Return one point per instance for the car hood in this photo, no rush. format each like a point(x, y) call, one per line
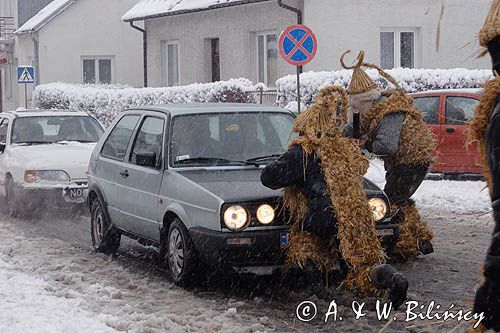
point(245, 185)
point(232, 185)
point(72, 157)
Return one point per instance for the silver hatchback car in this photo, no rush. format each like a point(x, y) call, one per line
point(186, 178)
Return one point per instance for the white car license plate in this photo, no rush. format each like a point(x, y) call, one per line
point(75, 195)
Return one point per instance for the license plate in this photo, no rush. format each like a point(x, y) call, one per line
point(385, 232)
point(75, 195)
point(284, 237)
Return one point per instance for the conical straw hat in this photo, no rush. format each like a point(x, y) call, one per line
point(360, 81)
point(491, 28)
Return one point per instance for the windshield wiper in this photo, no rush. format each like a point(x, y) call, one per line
point(213, 159)
point(28, 143)
point(267, 157)
point(65, 142)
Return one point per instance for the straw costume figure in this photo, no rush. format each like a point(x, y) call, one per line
point(485, 128)
point(393, 129)
point(322, 173)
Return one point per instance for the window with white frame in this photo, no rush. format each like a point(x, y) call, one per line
point(98, 70)
point(399, 47)
point(171, 63)
point(267, 58)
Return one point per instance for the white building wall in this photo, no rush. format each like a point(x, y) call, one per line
point(90, 28)
point(86, 28)
point(8, 8)
point(234, 26)
point(355, 24)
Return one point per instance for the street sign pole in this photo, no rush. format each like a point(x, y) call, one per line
point(25, 75)
point(298, 46)
point(299, 70)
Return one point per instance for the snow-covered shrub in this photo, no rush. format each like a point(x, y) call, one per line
point(105, 102)
point(412, 80)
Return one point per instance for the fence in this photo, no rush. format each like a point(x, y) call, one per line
point(266, 97)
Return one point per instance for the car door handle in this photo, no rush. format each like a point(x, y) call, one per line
point(124, 173)
point(450, 130)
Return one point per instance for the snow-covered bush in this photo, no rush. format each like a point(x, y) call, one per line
point(105, 102)
point(412, 80)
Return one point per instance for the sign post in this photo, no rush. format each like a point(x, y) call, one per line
point(298, 46)
point(25, 75)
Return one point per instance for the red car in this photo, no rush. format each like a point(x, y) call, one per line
point(447, 113)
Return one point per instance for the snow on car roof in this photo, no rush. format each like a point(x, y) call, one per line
point(157, 8)
point(46, 113)
point(450, 91)
point(46, 14)
point(193, 108)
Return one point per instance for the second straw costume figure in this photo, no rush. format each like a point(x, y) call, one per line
point(322, 138)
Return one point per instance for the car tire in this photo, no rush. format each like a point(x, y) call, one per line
point(13, 205)
point(105, 238)
point(179, 254)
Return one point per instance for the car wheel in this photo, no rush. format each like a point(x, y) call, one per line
point(13, 205)
point(180, 254)
point(105, 238)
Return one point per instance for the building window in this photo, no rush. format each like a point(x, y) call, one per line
point(97, 70)
point(398, 47)
point(215, 59)
point(171, 63)
point(267, 58)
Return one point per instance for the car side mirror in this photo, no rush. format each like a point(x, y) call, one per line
point(146, 158)
point(2, 147)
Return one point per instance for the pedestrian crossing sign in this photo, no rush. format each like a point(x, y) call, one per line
point(25, 74)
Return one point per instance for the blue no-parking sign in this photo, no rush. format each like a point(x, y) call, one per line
point(25, 74)
point(298, 45)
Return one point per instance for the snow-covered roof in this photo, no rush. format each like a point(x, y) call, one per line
point(44, 16)
point(145, 9)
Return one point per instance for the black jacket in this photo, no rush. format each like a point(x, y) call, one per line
point(291, 169)
point(492, 263)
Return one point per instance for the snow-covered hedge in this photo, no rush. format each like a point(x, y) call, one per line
point(106, 101)
point(412, 80)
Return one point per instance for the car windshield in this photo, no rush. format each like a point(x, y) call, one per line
point(229, 138)
point(55, 129)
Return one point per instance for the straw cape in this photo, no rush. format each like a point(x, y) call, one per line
point(416, 145)
point(343, 166)
point(491, 27)
point(479, 123)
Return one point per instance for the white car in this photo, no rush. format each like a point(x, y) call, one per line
point(44, 157)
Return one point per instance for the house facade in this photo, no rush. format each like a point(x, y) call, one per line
point(78, 41)
point(238, 38)
point(398, 33)
point(219, 43)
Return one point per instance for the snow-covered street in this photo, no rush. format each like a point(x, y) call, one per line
point(52, 281)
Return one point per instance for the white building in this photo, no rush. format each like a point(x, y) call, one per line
point(200, 41)
point(203, 41)
point(79, 41)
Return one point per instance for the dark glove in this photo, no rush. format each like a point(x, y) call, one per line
point(488, 302)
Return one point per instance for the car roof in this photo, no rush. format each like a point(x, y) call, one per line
point(44, 113)
point(195, 108)
point(476, 91)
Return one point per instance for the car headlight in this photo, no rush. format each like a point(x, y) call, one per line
point(236, 217)
point(265, 214)
point(378, 208)
point(46, 176)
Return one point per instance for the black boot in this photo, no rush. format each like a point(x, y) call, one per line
point(425, 247)
point(314, 281)
point(387, 277)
